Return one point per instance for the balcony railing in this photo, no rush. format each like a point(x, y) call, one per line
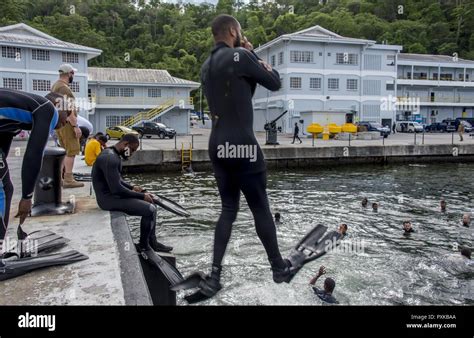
point(433, 79)
point(142, 101)
point(441, 99)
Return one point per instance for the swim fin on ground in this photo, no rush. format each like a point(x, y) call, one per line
point(169, 271)
point(37, 242)
point(14, 267)
point(208, 285)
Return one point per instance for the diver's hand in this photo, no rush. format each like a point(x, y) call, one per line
point(322, 271)
point(24, 210)
point(246, 43)
point(148, 197)
point(266, 65)
point(136, 188)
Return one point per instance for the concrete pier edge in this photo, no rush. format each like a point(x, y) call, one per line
point(133, 280)
point(281, 157)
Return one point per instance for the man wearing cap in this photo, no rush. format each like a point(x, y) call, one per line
point(70, 134)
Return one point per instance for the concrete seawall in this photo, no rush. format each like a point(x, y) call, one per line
point(290, 157)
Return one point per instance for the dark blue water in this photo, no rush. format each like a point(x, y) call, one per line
point(383, 267)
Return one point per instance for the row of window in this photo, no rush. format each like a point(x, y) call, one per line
point(130, 92)
point(38, 85)
point(444, 76)
point(298, 56)
point(37, 54)
point(315, 83)
point(115, 120)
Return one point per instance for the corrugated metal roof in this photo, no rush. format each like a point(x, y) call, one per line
point(24, 34)
point(134, 75)
point(431, 58)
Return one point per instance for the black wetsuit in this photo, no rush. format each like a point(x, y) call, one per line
point(229, 77)
point(114, 194)
point(324, 296)
point(22, 111)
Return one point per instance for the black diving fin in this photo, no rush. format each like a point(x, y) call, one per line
point(15, 266)
point(314, 245)
point(208, 285)
point(169, 271)
point(37, 242)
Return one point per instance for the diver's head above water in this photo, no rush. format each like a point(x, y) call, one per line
point(442, 205)
point(375, 206)
point(342, 229)
point(407, 226)
point(225, 28)
point(329, 285)
point(466, 253)
point(466, 219)
point(365, 201)
point(127, 145)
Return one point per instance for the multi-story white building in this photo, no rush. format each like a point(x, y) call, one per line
point(441, 87)
point(30, 60)
point(323, 71)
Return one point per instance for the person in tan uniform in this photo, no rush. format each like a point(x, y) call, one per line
point(461, 131)
point(70, 134)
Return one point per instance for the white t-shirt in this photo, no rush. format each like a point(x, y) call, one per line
point(83, 122)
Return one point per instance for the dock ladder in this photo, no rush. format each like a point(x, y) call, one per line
point(186, 158)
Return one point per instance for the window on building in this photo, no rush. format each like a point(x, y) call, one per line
point(352, 84)
point(389, 86)
point(333, 84)
point(435, 76)
point(347, 59)
point(315, 83)
point(273, 60)
point(13, 83)
point(446, 77)
point(461, 77)
point(280, 58)
point(420, 76)
point(282, 86)
point(115, 120)
point(70, 57)
point(295, 82)
point(112, 92)
point(154, 92)
point(119, 92)
point(298, 56)
point(320, 54)
point(390, 60)
point(11, 52)
point(40, 54)
point(75, 87)
point(127, 92)
point(42, 85)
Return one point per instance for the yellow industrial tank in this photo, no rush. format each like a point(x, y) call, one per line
point(349, 128)
point(334, 128)
point(315, 128)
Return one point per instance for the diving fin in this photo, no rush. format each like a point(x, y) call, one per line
point(190, 282)
point(10, 268)
point(314, 245)
point(38, 241)
point(169, 271)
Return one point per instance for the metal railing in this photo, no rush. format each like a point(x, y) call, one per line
point(444, 99)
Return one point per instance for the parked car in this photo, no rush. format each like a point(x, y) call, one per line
point(437, 127)
point(408, 127)
point(148, 129)
point(118, 131)
point(373, 126)
point(452, 125)
point(467, 125)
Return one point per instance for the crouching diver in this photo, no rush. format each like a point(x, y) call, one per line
point(114, 194)
point(24, 111)
point(229, 77)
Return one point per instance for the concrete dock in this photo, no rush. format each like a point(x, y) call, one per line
point(165, 155)
point(112, 274)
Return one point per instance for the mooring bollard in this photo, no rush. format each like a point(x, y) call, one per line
point(48, 190)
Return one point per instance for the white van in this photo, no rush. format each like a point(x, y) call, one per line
point(408, 127)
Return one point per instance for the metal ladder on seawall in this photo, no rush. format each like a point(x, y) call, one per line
point(186, 157)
